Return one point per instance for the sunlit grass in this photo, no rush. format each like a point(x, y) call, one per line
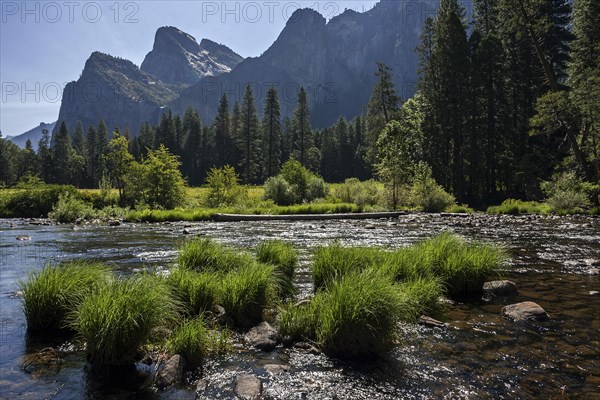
point(49, 294)
point(209, 255)
point(197, 291)
point(514, 207)
point(118, 318)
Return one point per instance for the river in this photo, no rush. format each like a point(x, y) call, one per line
point(480, 355)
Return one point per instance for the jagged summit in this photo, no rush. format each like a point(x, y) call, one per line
point(177, 58)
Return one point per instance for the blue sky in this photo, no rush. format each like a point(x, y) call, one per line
point(44, 44)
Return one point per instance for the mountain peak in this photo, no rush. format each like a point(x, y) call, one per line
point(177, 58)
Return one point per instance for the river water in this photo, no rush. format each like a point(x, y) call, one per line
point(480, 355)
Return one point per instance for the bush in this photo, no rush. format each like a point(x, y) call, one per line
point(295, 184)
point(33, 201)
point(426, 194)
point(367, 193)
point(566, 194)
point(284, 258)
point(69, 208)
point(224, 189)
point(208, 255)
point(246, 292)
point(50, 294)
point(118, 318)
point(279, 191)
point(197, 291)
point(357, 315)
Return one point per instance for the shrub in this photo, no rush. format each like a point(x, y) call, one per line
point(208, 255)
point(426, 194)
point(279, 191)
point(224, 189)
point(462, 209)
point(246, 292)
point(118, 318)
point(357, 315)
point(367, 193)
point(50, 294)
point(566, 194)
point(197, 291)
point(69, 208)
point(33, 201)
point(294, 184)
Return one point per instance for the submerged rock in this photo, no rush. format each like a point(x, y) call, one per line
point(23, 237)
point(430, 322)
point(275, 369)
point(593, 271)
point(263, 337)
point(172, 372)
point(114, 222)
point(370, 226)
point(248, 387)
point(499, 288)
point(525, 311)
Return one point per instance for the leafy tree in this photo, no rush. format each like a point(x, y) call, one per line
point(399, 148)
point(118, 160)
point(271, 126)
point(164, 187)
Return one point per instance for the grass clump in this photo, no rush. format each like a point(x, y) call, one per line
point(194, 341)
point(421, 296)
point(356, 316)
point(460, 209)
point(462, 266)
point(197, 291)
point(284, 258)
point(50, 294)
point(69, 208)
point(208, 255)
point(246, 292)
point(118, 318)
point(335, 261)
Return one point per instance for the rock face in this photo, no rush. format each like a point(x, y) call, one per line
point(525, 311)
point(177, 58)
point(335, 61)
point(500, 288)
point(263, 337)
point(115, 90)
point(248, 387)
point(171, 372)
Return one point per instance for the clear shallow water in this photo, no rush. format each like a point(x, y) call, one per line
point(480, 355)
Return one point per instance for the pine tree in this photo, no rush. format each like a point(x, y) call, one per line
point(302, 138)
point(192, 156)
point(62, 156)
point(384, 103)
point(249, 139)
point(271, 126)
point(44, 156)
point(223, 139)
point(234, 128)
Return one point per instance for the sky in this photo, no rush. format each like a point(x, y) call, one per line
point(44, 44)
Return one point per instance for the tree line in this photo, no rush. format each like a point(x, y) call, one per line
point(504, 101)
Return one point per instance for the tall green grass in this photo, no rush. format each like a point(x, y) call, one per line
point(197, 291)
point(421, 296)
point(118, 318)
point(208, 255)
point(514, 207)
point(246, 292)
point(195, 341)
point(50, 294)
point(355, 316)
point(284, 258)
point(461, 266)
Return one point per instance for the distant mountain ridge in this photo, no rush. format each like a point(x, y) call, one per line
point(334, 61)
point(124, 95)
point(34, 134)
